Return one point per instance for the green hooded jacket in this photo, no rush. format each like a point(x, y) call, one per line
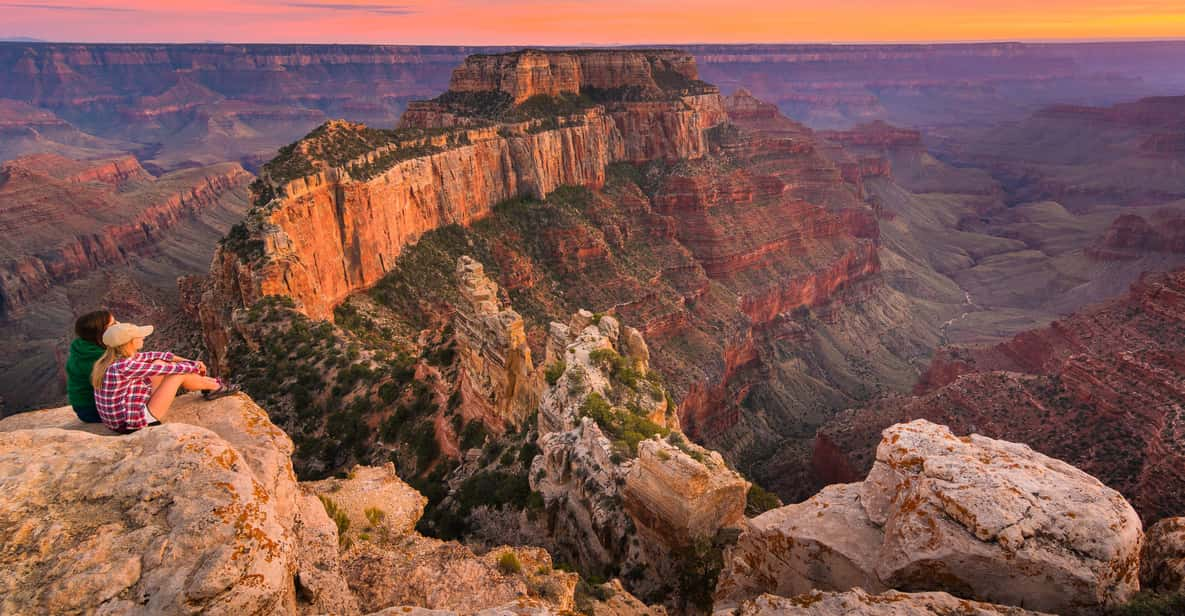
point(83, 355)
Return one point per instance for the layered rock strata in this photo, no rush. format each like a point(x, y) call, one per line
point(1108, 375)
point(717, 258)
point(329, 234)
point(979, 518)
point(103, 213)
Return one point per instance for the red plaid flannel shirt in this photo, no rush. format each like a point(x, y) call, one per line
point(123, 396)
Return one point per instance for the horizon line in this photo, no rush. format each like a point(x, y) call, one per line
point(25, 40)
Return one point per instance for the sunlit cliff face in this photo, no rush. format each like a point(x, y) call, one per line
point(518, 22)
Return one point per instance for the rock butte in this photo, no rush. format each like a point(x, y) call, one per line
point(330, 235)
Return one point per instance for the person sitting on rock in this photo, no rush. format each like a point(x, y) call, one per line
point(85, 350)
point(135, 389)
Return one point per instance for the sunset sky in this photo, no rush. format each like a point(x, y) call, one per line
point(600, 22)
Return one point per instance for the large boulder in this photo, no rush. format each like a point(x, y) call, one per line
point(1162, 562)
point(979, 518)
point(374, 499)
point(680, 499)
point(170, 519)
point(857, 601)
point(822, 543)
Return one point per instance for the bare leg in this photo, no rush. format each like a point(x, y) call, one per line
point(164, 390)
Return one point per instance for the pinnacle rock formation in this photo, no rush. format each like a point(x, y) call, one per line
point(498, 380)
point(979, 518)
point(624, 487)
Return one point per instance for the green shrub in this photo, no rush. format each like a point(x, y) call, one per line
point(619, 367)
point(588, 591)
point(375, 516)
point(339, 517)
point(554, 371)
point(604, 358)
point(493, 489)
point(424, 445)
point(677, 439)
point(528, 452)
point(474, 435)
point(1146, 603)
point(508, 564)
point(758, 501)
point(620, 425)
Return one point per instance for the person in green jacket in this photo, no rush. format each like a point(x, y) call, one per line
point(85, 350)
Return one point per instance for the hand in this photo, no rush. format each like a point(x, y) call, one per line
point(201, 368)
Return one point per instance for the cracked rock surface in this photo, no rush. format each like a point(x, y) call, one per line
point(857, 601)
point(1162, 563)
point(980, 518)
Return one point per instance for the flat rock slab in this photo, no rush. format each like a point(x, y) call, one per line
point(891, 603)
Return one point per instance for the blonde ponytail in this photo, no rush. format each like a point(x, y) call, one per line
point(109, 357)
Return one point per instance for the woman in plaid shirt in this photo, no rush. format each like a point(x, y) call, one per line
point(134, 389)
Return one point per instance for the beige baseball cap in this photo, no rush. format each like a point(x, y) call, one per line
point(122, 333)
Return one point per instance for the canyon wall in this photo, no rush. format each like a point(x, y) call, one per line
point(103, 212)
point(824, 84)
point(1101, 388)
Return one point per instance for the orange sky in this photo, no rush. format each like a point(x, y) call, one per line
point(531, 22)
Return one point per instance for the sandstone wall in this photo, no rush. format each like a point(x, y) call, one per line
point(338, 235)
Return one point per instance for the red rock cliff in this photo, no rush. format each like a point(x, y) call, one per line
point(340, 228)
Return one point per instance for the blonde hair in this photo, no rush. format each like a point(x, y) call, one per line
point(110, 356)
